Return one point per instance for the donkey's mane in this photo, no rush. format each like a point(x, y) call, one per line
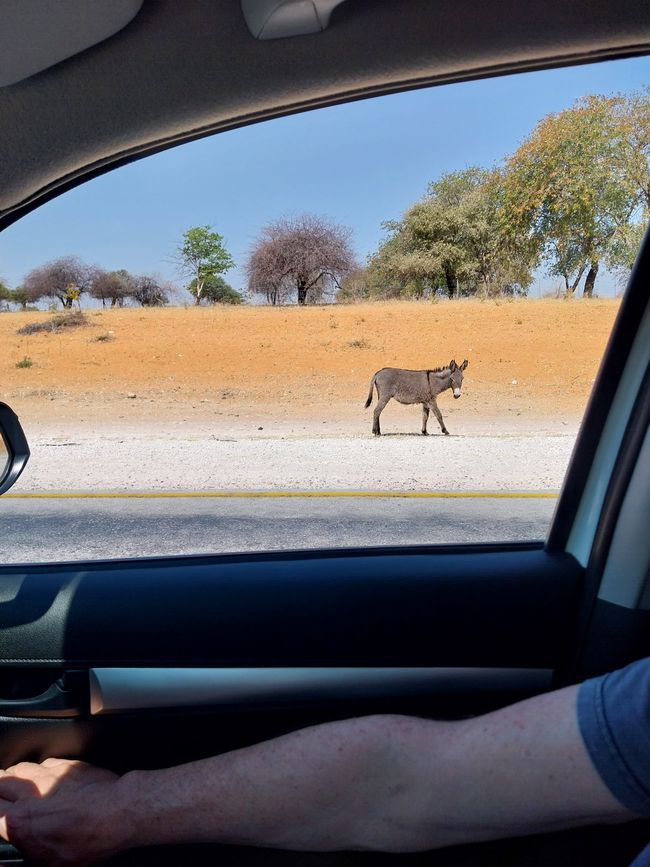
point(439, 369)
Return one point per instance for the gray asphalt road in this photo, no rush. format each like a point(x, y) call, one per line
point(42, 530)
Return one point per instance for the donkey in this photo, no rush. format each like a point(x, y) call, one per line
point(415, 386)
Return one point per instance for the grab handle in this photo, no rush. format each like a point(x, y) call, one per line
point(66, 697)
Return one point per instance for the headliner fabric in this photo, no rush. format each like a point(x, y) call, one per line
point(171, 75)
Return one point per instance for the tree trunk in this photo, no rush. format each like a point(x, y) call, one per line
point(452, 282)
point(588, 291)
point(570, 289)
point(302, 293)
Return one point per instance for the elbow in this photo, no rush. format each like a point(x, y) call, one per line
point(387, 813)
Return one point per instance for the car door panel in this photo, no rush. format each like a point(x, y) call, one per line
point(444, 631)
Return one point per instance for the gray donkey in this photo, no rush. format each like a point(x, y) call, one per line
point(415, 386)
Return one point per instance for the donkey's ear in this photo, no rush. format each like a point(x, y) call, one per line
point(464, 364)
point(452, 365)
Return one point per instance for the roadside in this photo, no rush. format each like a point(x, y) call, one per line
point(296, 456)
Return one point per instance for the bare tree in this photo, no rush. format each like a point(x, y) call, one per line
point(149, 291)
point(65, 279)
point(302, 258)
point(113, 286)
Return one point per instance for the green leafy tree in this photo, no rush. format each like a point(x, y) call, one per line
point(574, 186)
point(633, 114)
point(623, 251)
point(354, 287)
point(6, 295)
point(215, 291)
point(202, 255)
point(21, 297)
point(451, 242)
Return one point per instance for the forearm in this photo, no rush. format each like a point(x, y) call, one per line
point(387, 783)
point(313, 789)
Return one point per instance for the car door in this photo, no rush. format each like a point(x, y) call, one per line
point(152, 662)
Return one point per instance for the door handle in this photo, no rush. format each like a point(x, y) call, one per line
point(66, 697)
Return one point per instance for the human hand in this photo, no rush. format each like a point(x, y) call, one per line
point(61, 813)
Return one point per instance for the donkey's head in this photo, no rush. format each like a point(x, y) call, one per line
point(457, 376)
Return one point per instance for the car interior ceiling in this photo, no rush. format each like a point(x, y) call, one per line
point(167, 77)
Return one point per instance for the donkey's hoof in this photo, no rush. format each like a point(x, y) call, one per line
point(445, 432)
point(425, 433)
point(376, 433)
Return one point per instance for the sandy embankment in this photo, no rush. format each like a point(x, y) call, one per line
point(267, 399)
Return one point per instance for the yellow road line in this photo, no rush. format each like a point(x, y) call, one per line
point(169, 495)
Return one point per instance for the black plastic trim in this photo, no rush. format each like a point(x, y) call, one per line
point(617, 636)
point(14, 439)
point(190, 560)
point(491, 608)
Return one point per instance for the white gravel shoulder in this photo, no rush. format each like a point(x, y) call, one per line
point(144, 458)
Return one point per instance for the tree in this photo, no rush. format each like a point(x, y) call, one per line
point(113, 286)
point(450, 242)
point(623, 251)
point(149, 291)
point(65, 279)
point(301, 258)
point(201, 256)
point(633, 113)
point(6, 295)
point(570, 188)
point(215, 291)
point(20, 296)
point(354, 287)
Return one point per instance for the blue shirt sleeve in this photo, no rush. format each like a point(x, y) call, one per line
point(642, 859)
point(614, 720)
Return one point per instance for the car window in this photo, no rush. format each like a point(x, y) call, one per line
point(238, 344)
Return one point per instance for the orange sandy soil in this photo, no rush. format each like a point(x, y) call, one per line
point(223, 364)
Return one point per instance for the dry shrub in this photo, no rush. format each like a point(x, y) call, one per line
point(56, 323)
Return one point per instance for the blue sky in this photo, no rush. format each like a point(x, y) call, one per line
point(359, 164)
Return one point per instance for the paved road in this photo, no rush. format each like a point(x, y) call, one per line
point(41, 530)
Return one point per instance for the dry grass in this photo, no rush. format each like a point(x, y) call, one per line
point(530, 357)
point(72, 319)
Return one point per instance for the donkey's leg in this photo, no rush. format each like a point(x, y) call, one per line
point(434, 406)
point(381, 403)
point(425, 419)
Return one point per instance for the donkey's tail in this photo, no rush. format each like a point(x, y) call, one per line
point(372, 385)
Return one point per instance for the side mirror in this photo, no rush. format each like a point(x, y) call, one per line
point(14, 451)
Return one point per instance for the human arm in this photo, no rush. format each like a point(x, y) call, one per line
point(385, 782)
